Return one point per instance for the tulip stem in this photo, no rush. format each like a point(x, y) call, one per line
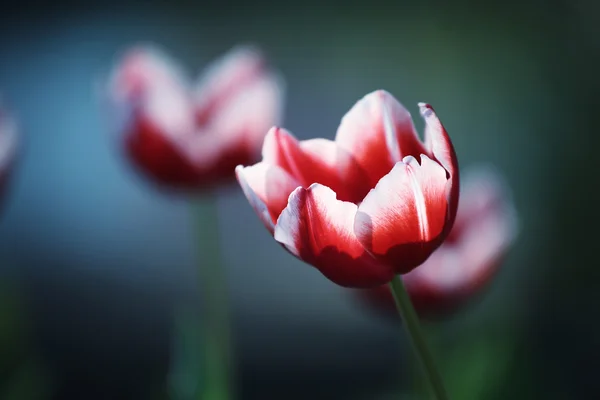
point(413, 327)
point(202, 356)
point(215, 317)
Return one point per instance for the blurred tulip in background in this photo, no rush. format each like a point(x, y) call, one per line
point(8, 147)
point(465, 264)
point(191, 134)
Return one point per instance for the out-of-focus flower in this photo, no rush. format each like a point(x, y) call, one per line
point(192, 135)
point(373, 203)
point(485, 227)
point(8, 147)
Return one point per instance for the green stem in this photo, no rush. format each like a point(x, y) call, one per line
point(413, 327)
point(202, 354)
point(217, 366)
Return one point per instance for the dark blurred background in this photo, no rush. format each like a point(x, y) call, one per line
point(93, 258)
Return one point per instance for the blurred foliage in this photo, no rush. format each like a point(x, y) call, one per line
point(13, 322)
point(23, 374)
point(474, 367)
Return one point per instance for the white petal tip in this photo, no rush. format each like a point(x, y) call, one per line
point(379, 94)
point(409, 160)
point(322, 190)
point(315, 186)
point(426, 110)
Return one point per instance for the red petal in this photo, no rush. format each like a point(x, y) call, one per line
point(281, 148)
point(328, 164)
point(318, 228)
point(316, 161)
point(267, 188)
point(158, 157)
point(441, 149)
point(378, 131)
point(401, 220)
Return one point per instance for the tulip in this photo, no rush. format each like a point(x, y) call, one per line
point(373, 203)
point(189, 136)
point(8, 147)
point(186, 135)
point(485, 227)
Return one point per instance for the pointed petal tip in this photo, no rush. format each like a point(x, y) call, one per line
point(380, 92)
point(239, 169)
point(381, 95)
point(323, 191)
point(268, 139)
point(296, 192)
point(425, 109)
point(414, 161)
point(250, 180)
point(318, 186)
point(278, 130)
point(409, 160)
point(271, 139)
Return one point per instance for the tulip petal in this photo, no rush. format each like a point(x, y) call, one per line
point(378, 131)
point(267, 188)
point(483, 192)
point(246, 117)
point(157, 155)
point(143, 67)
point(318, 228)
point(440, 147)
point(150, 85)
point(488, 224)
point(225, 76)
point(317, 161)
point(401, 220)
point(169, 108)
point(147, 84)
point(281, 148)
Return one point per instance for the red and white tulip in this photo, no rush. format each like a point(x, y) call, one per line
point(190, 135)
point(373, 203)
